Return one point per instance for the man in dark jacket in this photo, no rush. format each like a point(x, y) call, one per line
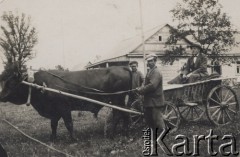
point(195, 69)
point(137, 76)
point(137, 81)
point(153, 96)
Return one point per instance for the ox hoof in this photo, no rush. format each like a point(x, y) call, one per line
point(28, 104)
point(73, 139)
point(125, 134)
point(110, 136)
point(53, 138)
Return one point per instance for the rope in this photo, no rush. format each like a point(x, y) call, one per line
point(114, 93)
point(94, 93)
point(81, 97)
point(73, 83)
point(33, 139)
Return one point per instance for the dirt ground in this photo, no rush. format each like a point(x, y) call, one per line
point(90, 133)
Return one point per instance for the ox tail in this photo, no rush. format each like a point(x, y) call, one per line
point(128, 95)
point(130, 74)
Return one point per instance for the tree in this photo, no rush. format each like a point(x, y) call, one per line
point(18, 40)
point(206, 24)
point(61, 68)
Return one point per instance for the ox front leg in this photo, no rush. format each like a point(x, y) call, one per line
point(67, 118)
point(112, 121)
point(54, 124)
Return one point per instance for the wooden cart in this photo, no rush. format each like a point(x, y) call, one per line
point(190, 102)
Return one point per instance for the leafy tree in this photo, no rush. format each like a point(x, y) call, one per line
point(204, 22)
point(18, 40)
point(61, 68)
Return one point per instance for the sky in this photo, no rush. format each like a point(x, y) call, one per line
point(73, 32)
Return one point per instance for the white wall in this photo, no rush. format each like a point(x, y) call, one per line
point(168, 71)
point(229, 71)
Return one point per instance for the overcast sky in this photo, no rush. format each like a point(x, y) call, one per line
point(73, 32)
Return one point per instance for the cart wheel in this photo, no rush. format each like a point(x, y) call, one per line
point(191, 111)
point(171, 117)
point(134, 118)
point(222, 105)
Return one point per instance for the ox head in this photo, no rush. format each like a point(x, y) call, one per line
point(11, 88)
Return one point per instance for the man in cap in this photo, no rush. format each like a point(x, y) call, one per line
point(153, 95)
point(137, 81)
point(137, 76)
point(195, 68)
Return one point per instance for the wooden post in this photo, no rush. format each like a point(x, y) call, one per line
point(82, 98)
point(143, 42)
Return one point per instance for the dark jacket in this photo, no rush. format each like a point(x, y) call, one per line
point(153, 89)
point(137, 79)
point(199, 67)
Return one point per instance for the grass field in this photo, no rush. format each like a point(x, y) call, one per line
point(90, 133)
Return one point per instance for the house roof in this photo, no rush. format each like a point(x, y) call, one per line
point(130, 44)
point(126, 47)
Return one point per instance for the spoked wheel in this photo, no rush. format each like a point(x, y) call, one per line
point(222, 105)
point(191, 112)
point(171, 117)
point(134, 118)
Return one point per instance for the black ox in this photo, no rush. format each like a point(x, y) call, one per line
point(55, 106)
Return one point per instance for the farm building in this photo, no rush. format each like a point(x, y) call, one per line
point(131, 49)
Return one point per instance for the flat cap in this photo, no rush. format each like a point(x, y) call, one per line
point(133, 62)
point(151, 56)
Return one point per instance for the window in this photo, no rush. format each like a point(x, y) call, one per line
point(238, 68)
point(216, 67)
point(160, 38)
